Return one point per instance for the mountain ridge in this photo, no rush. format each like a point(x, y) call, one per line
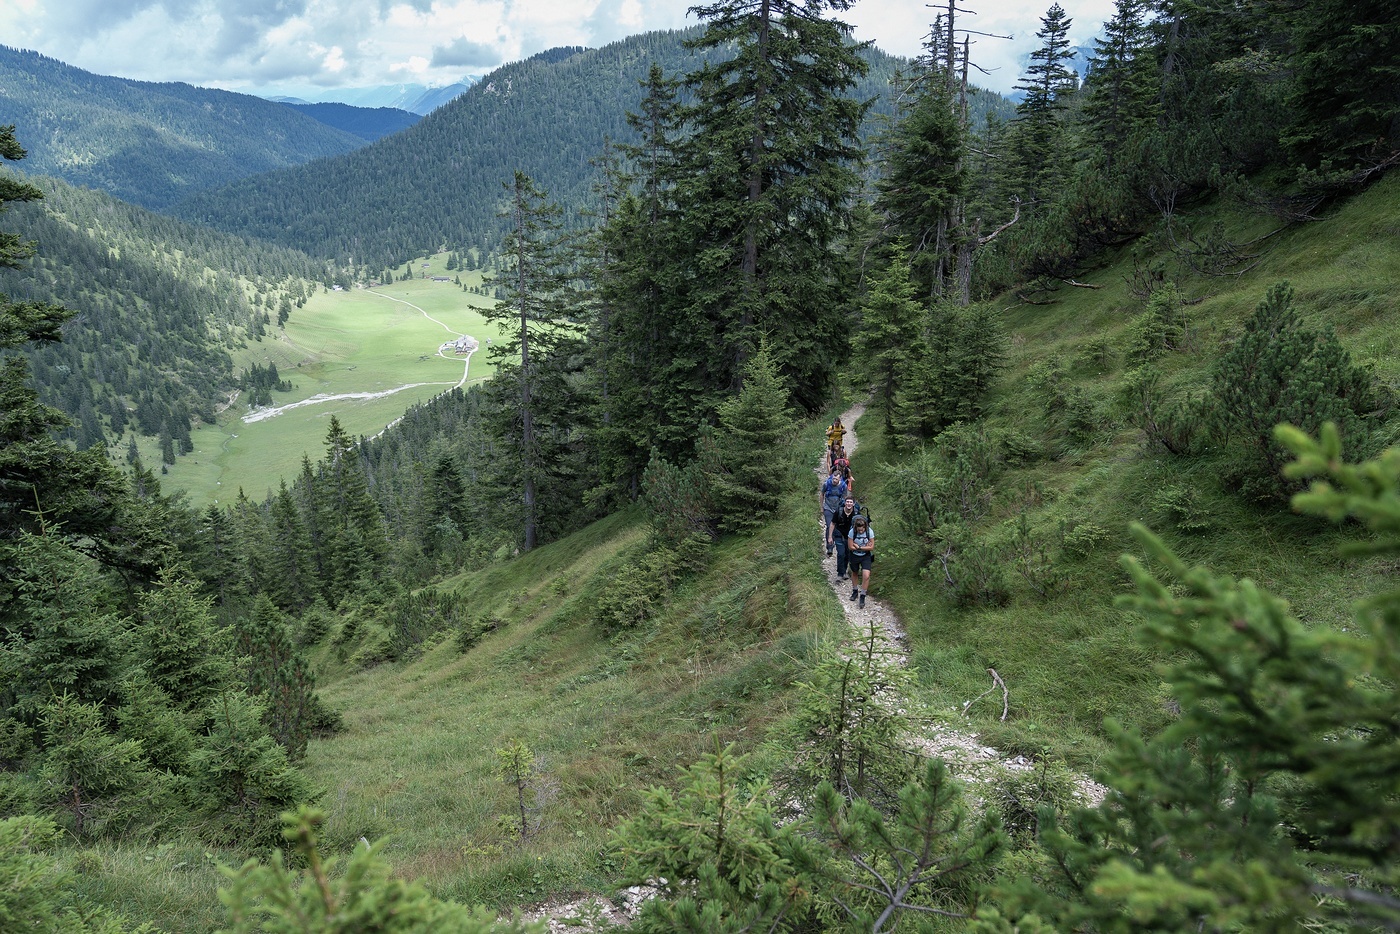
point(150, 143)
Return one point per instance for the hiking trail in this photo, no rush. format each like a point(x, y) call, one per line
point(966, 755)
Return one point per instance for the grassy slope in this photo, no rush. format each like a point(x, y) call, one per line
point(611, 715)
point(341, 342)
point(1073, 659)
point(608, 716)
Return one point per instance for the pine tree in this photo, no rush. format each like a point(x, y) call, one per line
point(277, 675)
point(1272, 801)
point(1038, 140)
point(1121, 86)
point(179, 648)
point(354, 541)
point(536, 320)
point(727, 865)
point(768, 175)
point(242, 780)
point(664, 376)
point(753, 426)
point(924, 179)
point(320, 899)
point(889, 330)
point(1344, 96)
point(293, 582)
point(84, 766)
point(1280, 371)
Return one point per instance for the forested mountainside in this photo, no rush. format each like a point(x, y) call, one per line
point(146, 143)
point(1161, 297)
point(368, 123)
point(158, 305)
point(441, 182)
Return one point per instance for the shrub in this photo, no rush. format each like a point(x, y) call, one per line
point(1158, 330)
point(475, 629)
point(1181, 508)
point(1280, 372)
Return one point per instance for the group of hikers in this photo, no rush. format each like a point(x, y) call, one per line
point(847, 524)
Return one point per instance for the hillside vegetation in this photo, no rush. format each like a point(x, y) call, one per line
point(161, 308)
point(151, 144)
point(368, 123)
point(1128, 447)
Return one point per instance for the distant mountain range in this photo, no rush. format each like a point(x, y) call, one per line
point(439, 182)
point(366, 123)
point(414, 98)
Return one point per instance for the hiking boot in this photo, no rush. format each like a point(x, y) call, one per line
point(855, 592)
point(862, 601)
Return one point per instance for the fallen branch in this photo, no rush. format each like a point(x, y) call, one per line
point(1081, 285)
point(1005, 695)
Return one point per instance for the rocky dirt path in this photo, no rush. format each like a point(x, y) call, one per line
point(966, 755)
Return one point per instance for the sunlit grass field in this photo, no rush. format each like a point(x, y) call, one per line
point(355, 341)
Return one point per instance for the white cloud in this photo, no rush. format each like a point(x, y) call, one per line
point(256, 43)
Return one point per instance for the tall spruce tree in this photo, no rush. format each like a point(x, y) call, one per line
point(538, 323)
point(664, 378)
point(889, 330)
point(1038, 137)
point(354, 539)
point(1122, 83)
point(769, 171)
point(925, 177)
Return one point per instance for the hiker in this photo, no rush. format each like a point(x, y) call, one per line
point(839, 461)
point(837, 533)
point(860, 547)
point(834, 434)
point(850, 480)
point(833, 492)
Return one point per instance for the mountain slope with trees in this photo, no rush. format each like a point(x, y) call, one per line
point(368, 123)
point(146, 143)
point(440, 182)
point(158, 305)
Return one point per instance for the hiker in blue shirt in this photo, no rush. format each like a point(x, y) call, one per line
point(833, 492)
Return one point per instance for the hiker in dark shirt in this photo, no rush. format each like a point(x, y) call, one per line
point(837, 533)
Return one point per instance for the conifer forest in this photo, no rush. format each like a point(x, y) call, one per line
point(1117, 360)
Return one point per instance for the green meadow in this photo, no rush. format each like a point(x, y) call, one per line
point(376, 340)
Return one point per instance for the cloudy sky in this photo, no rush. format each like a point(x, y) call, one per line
point(297, 46)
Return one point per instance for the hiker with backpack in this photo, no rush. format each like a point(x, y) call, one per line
point(833, 492)
point(860, 552)
point(834, 434)
point(838, 531)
